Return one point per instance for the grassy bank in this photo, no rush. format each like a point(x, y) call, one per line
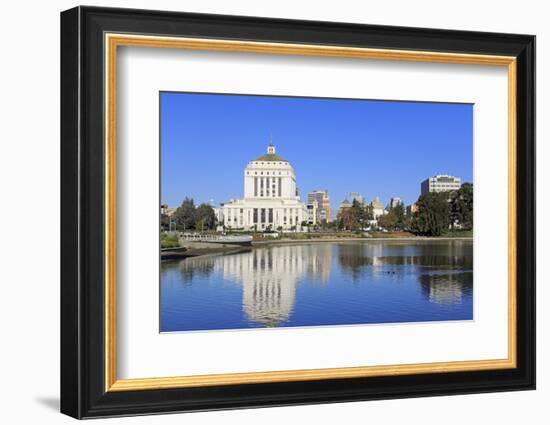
point(385, 237)
point(258, 237)
point(392, 235)
point(169, 241)
point(458, 234)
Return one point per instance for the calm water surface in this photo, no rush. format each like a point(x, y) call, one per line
point(319, 284)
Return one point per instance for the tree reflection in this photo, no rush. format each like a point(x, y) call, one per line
point(270, 275)
point(352, 260)
point(361, 261)
point(195, 267)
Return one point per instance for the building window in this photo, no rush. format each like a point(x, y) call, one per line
point(255, 186)
point(255, 216)
point(262, 215)
point(271, 215)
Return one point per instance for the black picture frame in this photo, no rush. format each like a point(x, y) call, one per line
point(83, 392)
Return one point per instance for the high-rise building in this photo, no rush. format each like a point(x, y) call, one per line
point(440, 183)
point(395, 201)
point(322, 198)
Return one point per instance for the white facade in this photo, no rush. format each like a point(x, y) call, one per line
point(271, 199)
point(395, 201)
point(377, 208)
point(312, 212)
point(440, 183)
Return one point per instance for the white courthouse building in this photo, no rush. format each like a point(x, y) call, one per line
point(271, 198)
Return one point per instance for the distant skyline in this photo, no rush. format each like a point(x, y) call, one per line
point(376, 148)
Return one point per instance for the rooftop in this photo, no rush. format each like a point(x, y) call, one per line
point(270, 157)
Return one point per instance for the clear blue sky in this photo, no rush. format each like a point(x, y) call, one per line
point(377, 148)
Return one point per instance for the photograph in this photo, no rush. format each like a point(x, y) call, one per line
point(277, 209)
point(282, 212)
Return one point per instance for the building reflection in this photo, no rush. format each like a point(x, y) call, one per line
point(446, 288)
point(270, 276)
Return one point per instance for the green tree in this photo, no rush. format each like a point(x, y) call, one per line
point(369, 212)
point(205, 217)
point(433, 215)
point(186, 215)
point(388, 221)
point(359, 213)
point(399, 212)
point(395, 219)
point(357, 217)
point(462, 206)
point(349, 219)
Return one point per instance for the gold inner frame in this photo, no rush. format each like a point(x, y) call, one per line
point(113, 41)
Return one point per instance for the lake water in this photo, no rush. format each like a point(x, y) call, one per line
point(319, 284)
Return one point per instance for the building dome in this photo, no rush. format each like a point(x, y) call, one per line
point(271, 155)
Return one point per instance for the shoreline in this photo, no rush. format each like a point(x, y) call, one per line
point(180, 254)
point(229, 250)
point(358, 239)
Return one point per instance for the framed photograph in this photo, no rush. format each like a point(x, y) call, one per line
point(261, 212)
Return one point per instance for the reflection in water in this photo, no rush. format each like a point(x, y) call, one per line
point(192, 268)
point(352, 259)
point(319, 284)
point(269, 277)
point(447, 288)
